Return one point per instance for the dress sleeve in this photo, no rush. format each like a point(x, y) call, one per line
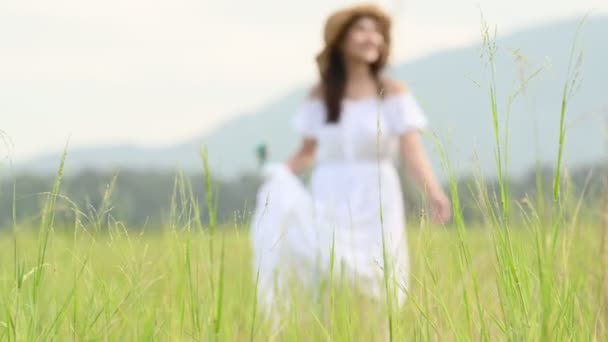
point(404, 114)
point(309, 118)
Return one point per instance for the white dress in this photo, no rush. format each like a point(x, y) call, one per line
point(354, 196)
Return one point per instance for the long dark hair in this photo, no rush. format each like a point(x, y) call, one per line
point(333, 80)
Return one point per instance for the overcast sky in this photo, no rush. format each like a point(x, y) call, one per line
point(154, 72)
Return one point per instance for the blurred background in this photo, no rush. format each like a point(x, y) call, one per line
point(135, 88)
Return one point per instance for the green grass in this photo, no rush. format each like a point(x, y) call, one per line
point(118, 286)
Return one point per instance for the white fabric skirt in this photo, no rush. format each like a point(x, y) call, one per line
point(352, 217)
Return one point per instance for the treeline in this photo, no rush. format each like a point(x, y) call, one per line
point(149, 198)
point(136, 198)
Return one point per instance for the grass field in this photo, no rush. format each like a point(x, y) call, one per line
point(166, 286)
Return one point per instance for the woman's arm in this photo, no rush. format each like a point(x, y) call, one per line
point(304, 157)
point(419, 167)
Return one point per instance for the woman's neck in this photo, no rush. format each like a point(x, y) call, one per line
point(357, 71)
point(360, 81)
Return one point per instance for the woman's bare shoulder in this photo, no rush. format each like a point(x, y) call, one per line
point(316, 92)
point(394, 87)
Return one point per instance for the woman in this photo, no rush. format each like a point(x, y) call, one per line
point(352, 123)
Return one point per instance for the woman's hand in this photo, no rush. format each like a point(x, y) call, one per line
point(440, 206)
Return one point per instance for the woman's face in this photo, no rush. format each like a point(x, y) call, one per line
point(364, 41)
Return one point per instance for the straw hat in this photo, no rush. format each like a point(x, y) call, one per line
point(338, 22)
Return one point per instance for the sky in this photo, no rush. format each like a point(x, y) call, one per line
point(157, 72)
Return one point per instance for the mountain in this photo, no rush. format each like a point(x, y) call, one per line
point(452, 87)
